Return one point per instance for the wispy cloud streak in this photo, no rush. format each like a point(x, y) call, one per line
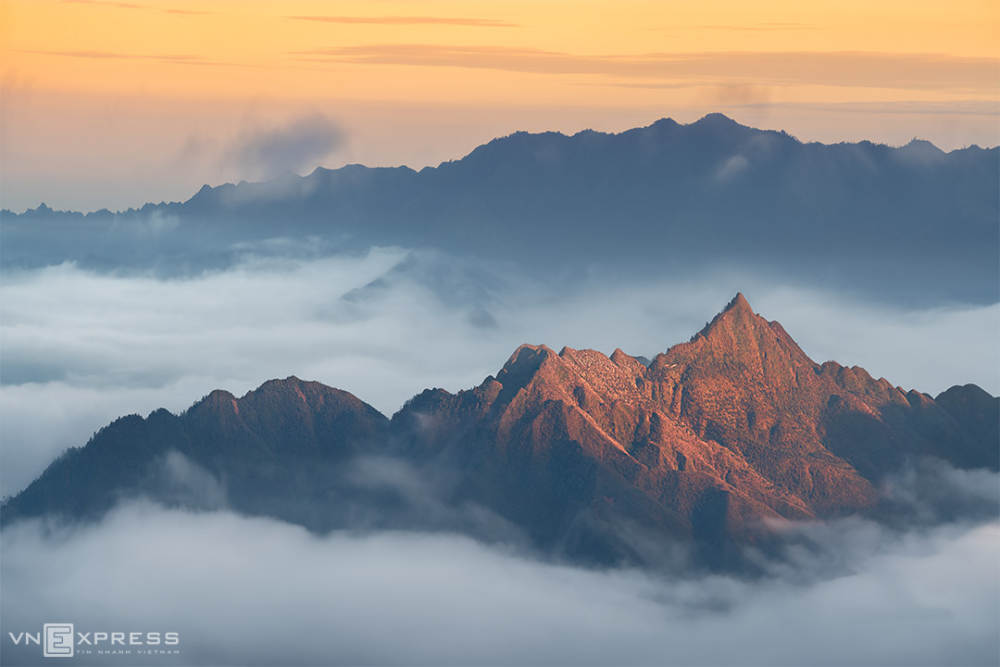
point(171, 59)
point(760, 27)
point(914, 71)
point(132, 5)
point(408, 20)
point(111, 55)
point(122, 5)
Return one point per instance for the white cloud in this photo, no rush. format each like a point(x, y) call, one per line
point(731, 167)
point(81, 348)
point(255, 591)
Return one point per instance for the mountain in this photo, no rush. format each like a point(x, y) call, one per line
point(736, 426)
point(581, 456)
point(911, 221)
point(272, 452)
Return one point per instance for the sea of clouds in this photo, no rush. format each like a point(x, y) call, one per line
point(255, 591)
point(81, 348)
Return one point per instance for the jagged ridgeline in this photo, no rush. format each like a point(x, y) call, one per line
point(575, 455)
point(910, 222)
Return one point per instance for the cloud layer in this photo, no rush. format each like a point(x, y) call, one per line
point(82, 348)
point(254, 591)
point(409, 20)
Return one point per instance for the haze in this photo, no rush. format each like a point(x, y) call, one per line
point(82, 348)
point(110, 105)
point(106, 104)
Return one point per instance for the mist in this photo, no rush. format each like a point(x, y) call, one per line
point(266, 152)
point(255, 591)
point(83, 347)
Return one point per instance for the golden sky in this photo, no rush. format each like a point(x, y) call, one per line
point(104, 102)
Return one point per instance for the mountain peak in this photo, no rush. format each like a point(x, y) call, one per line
point(923, 144)
point(289, 382)
point(525, 361)
point(716, 119)
point(739, 303)
point(739, 340)
point(737, 314)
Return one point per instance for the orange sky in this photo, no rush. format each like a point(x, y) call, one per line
point(116, 103)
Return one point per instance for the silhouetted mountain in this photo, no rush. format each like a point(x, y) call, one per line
point(911, 220)
point(592, 458)
point(975, 410)
point(273, 452)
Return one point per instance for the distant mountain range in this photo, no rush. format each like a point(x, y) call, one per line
point(911, 222)
point(575, 455)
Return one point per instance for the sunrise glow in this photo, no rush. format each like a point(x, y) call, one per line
point(134, 87)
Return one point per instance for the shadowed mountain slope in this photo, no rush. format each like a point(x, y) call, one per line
point(578, 455)
point(273, 452)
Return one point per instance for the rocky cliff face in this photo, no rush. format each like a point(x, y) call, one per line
point(712, 439)
point(588, 457)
